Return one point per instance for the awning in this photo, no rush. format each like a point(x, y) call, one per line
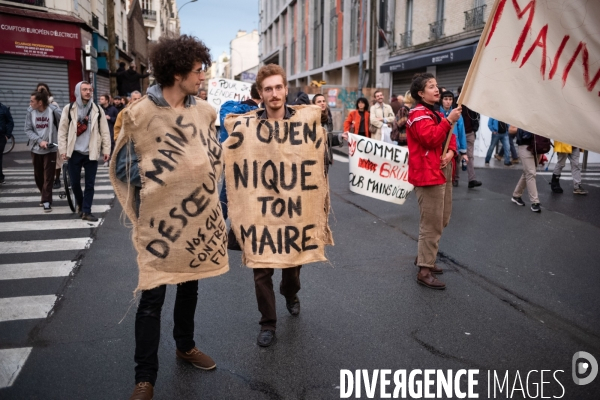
point(447, 54)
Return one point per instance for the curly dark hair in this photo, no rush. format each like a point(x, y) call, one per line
point(418, 84)
point(176, 56)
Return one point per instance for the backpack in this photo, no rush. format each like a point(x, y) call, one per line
point(540, 145)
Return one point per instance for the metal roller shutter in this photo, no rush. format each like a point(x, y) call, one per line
point(102, 86)
point(19, 77)
point(452, 76)
point(402, 81)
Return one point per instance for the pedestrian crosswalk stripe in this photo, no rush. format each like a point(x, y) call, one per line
point(40, 246)
point(48, 269)
point(13, 177)
point(36, 199)
point(22, 161)
point(583, 173)
point(18, 211)
point(26, 307)
point(11, 362)
point(340, 158)
point(32, 183)
point(48, 225)
point(99, 188)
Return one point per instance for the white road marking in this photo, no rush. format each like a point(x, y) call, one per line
point(32, 183)
point(36, 270)
point(21, 174)
point(36, 199)
point(568, 173)
point(101, 188)
point(26, 307)
point(39, 246)
point(48, 225)
point(7, 212)
point(339, 158)
point(11, 362)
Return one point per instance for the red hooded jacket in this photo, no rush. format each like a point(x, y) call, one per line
point(426, 139)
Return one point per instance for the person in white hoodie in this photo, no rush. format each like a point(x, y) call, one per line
point(82, 134)
point(41, 126)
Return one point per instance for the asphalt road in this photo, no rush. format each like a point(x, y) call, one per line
point(522, 295)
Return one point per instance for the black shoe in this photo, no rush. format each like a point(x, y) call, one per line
point(89, 217)
point(266, 338)
point(518, 201)
point(56, 184)
point(455, 183)
point(555, 184)
point(473, 184)
point(47, 207)
point(79, 211)
point(293, 305)
point(535, 207)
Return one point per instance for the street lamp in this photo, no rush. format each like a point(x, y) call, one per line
point(191, 1)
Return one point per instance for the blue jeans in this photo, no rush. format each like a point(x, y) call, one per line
point(513, 149)
point(505, 144)
point(76, 162)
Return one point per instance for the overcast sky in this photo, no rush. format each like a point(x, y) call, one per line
point(216, 22)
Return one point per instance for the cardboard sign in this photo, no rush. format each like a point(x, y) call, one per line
point(221, 90)
point(378, 169)
point(277, 188)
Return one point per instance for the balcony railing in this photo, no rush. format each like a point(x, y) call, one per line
point(474, 18)
point(406, 39)
point(436, 30)
point(149, 14)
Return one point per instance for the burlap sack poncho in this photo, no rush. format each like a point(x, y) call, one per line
point(180, 234)
point(277, 188)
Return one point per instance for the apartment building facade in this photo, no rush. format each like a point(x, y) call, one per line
point(436, 36)
point(319, 40)
point(161, 18)
point(244, 55)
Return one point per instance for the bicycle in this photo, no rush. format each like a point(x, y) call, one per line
point(10, 144)
point(68, 191)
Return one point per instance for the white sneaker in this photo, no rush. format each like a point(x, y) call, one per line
point(47, 207)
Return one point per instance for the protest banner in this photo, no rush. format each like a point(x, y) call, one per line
point(277, 189)
point(178, 230)
point(537, 67)
point(221, 90)
point(378, 169)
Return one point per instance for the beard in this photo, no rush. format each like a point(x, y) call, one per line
point(274, 106)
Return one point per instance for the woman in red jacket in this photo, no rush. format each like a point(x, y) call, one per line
point(430, 172)
point(358, 120)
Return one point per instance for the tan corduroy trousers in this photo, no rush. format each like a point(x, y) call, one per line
point(435, 205)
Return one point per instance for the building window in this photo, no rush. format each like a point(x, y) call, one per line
point(354, 28)
point(333, 28)
point(436, 29)
point(95, 23)
point(319, 7)
point(293, 44)
point(474, 18)
point(383, 21)
point(406, 37)
point(302, 13)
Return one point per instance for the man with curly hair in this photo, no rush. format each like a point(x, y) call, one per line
point(178, 67)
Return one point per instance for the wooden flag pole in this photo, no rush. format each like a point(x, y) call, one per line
point(474, 65)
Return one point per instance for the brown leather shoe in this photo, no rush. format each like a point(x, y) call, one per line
point(435, 270)
point(197, 358)
point(143, 391)
point(431, 282)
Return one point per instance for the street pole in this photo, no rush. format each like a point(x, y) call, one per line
point(112, 62)
point(361, 32)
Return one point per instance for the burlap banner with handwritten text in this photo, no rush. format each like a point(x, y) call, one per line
point(180, 234)
point(277, 188)
point(537, 67)
point(378, 169)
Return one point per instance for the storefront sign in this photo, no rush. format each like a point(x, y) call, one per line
point(38, 38)
point(407, 63)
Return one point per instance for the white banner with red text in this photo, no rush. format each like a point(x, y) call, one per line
point(378, 169)
point(537, 67)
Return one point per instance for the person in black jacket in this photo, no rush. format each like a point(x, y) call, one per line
point(119, 76)
point(529, 161)
point(131, 80)
point(6, 127)
point(111, 113)
point(471, 121)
